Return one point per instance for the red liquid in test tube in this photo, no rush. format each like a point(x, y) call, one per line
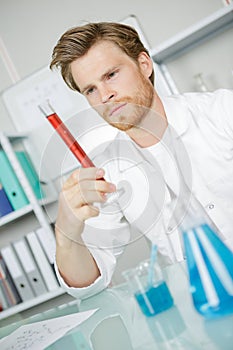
point(72, 144)
point(66, 136)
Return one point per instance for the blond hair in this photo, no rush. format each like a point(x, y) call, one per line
point(76, 42)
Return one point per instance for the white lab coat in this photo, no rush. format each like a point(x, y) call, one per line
point(201, 125)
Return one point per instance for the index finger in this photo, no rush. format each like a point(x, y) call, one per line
point(81, 174)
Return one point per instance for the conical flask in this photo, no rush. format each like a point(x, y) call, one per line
point(209, 260)
point(209, 263)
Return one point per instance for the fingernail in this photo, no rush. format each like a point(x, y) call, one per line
point(112, 187)
point(100, 172)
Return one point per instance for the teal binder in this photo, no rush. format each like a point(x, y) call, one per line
point(11, 184)
point(30, 173)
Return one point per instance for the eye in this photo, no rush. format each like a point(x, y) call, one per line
point(90, 91)
point(111, 74)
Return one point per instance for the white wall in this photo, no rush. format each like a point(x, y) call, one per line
point(29, 29)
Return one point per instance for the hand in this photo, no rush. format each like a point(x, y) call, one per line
point(84, 187)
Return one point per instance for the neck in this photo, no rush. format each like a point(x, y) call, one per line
point(151, 129)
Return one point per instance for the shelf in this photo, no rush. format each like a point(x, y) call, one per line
point(18, 136)
point(184, 41)
point(14, 137)
point(30, 303)
point(34, 206)
point(14, 215)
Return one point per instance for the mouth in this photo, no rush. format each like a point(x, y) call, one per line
point(116, 110)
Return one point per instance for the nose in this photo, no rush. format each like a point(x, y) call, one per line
point(106, 94)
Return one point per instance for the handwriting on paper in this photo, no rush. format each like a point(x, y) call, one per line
point(39, 335)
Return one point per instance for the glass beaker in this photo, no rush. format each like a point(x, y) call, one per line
point(149, 289)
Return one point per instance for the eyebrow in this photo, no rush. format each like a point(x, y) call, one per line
point(103, 76)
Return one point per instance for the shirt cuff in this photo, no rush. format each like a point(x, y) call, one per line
point(106, 263)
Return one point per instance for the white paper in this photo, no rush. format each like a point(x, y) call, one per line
point(39, 335)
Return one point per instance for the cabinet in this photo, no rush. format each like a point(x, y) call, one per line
point(9, 144)
point(189, 39)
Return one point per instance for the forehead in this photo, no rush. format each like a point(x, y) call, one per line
point(103, 50)
point(99, 58)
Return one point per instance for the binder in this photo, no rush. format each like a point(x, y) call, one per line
point(30, 173)
point(42, 261)
point(8, 287)
point(20, 279)
point(5, 206)
point(29, 266)
point(11, 184)
point(48, 242)
point(3, 302)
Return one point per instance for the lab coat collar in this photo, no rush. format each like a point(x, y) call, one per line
point(129, 151)
point(177, 113)
point(134, 155)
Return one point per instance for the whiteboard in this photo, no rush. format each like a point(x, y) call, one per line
point(49, 153)
point(161, 85)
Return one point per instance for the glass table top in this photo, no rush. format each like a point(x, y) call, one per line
point(120, 324)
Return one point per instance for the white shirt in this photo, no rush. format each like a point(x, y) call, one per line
point(201, 125)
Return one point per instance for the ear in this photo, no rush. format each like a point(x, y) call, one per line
point(145, 64)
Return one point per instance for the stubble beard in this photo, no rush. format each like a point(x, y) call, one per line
point(136, 109)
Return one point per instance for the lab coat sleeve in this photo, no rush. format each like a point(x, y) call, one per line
point(105, 237)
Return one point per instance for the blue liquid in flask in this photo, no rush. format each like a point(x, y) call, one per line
point(210, 267)
point(155, 299)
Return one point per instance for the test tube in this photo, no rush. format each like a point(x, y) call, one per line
point(71, 142)
point(65, 134)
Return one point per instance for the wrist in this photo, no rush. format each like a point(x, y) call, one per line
point(64, 239)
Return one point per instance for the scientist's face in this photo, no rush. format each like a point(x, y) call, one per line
point(116, 86)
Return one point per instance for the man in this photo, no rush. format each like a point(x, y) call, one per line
point(107, 63)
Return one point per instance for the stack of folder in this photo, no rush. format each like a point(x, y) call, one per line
point(27, 269)
point(12, 195)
